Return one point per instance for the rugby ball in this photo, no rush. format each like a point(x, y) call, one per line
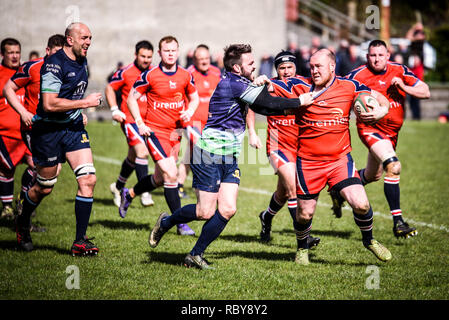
point(364, 102)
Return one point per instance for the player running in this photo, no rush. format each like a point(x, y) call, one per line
point(28, 77)
point(216, 175)
point(137, 159)
point(58, 135)
point(324, 148)
point(281, 147)
point(394, 81)
point(171, 101)
point(12, 148)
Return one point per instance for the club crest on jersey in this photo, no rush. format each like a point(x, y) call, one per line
point(382, 83)
point(172, 84)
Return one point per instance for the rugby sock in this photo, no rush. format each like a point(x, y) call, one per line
point(6, 190)
point(292, 205)
point(272, 209)
point(28, 206)
point(141, 168)
point(210, 231)
point(365, 224)
point(172, 196)
point(182, 215)
point(83, 208)
point(27, 180)
point(362, 176)
point(392, 193)
point(146, 184)
point(125, 171)
point(302, 233)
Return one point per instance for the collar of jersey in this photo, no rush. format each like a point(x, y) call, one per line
point(322, 90)
point(168, 73)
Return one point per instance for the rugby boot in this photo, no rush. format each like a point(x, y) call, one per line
point(124, 202)
point(24, 238)
point(184, 230)
point(312, 242)
point(84, 247)
point(115, 193)
point(302, 256)
point(7, 212)
point(197, 262)
point(146, 199)
point(337, 203)
point(403, 230)
point(381, 252)
point(157, 232)
point(265, 233)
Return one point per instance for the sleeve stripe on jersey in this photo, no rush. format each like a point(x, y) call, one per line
point(50, 83)
point(353, 73)
point(358, 86)
point(24, 70)
point(142, 80)
point(251, 93)
point(291, 82)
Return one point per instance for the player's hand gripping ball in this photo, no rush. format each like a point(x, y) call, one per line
point(364, 102)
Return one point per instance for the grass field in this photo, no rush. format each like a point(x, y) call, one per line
point(341, 268)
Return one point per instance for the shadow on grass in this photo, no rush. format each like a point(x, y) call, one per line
point(331, 233)
point(8, 223)
point(12, 246)
point(125, 225)
point(164, 257)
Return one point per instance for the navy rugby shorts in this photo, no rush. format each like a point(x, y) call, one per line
point(210, 170)
point(51, 141)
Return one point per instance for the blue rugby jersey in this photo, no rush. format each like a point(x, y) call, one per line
point(67, 78)
point(228, 106)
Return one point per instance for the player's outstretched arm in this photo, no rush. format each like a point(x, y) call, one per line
point(420, 90)
point(52, 103)
point(266, 104)
point(9, 92)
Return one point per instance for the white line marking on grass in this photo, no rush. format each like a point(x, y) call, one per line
point(269, 193)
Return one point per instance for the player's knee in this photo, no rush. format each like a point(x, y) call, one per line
point(85, 175)
point(303, 216)
point(204, 213)
point(227, 211)
point(44, 186)
point(360, 206)
point(393, 169)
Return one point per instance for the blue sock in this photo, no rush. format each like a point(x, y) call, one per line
point(28, 206)
point(302, 233)
point(83, 208)
point(27, 180)
point(141, 168)
point(211, 230)
point(125, 171)
point(365, 224)
point(182, 215)
point(172, 196)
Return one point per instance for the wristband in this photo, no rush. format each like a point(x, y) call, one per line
point(113, 108)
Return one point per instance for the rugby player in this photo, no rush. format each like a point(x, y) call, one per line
point(216, 175)
point(206, 78)
point(323, 155)
point(281, 147)
point(167, 87)
point(12, 148)
point(137, 158)
point(394, 81)
point(28, 77)
point(58, 135)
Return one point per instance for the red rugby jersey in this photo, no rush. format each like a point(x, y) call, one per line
point(9, 118)
point(167, 95)
point(28, 76)
point(381, 82)
point(205, 83)
point(283, 131)
point(324, 125)
point(124, 80)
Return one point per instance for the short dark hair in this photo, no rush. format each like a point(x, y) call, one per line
point(56, 40)
point(9, 42)
point(200, 46)
point(377, 43)
point(233, 55)
point(167, 39)
point(144, 44)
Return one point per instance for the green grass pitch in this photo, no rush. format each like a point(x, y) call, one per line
point(341, 268)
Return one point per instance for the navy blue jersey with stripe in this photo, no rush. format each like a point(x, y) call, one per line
point(67, 78)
